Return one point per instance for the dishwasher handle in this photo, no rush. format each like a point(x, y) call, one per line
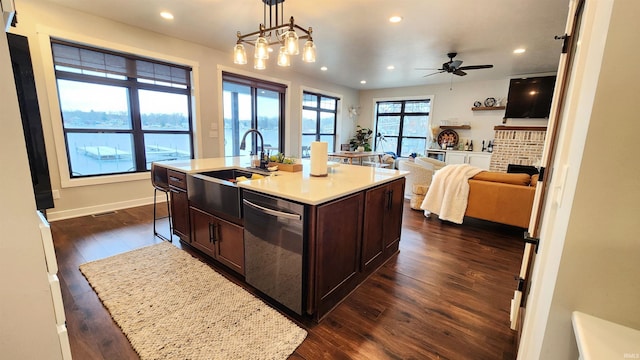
point(276, 213)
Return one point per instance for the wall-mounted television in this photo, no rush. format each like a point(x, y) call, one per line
point(530, 97)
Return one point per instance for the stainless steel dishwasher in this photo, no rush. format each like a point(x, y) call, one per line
point(273, 247)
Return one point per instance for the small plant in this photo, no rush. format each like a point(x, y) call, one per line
point(280, 158)
point(362, 138)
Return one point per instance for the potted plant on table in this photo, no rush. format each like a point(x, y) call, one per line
point(360, 141)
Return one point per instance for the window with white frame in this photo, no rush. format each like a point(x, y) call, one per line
point(319, 113)
point(120, 112)
point(402, 126)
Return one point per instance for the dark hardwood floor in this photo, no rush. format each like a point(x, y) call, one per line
point(444, 296)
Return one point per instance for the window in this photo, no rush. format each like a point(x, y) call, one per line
point(121, 112)
point(252, 104)
point(403, 126)
point(319, 114)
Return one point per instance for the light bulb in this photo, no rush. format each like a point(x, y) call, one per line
point(239, 55)
point(309, 52)
point(291, 42)
point(283, 58)
point(262, 48)
point(259, 64)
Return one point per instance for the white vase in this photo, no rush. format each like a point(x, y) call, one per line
point(360, 148)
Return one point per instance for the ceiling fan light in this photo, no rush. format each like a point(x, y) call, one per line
point(262, 48)
point(291, 42)
point(309, 52)
point(239, 54)
point(259, 64)
point(283, 57)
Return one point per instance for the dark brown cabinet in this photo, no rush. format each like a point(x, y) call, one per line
point(350, 238)
point(220, 239)
point(337, 251)
point(179, 204)
point(382, 223)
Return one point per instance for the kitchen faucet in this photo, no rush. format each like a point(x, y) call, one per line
point(243, 145)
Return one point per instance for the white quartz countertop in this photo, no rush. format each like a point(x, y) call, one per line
point(297, 186)
point(601, 339)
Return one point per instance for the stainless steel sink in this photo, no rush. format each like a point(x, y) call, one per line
point(216, 191)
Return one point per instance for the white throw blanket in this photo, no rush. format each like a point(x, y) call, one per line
point(448, 194)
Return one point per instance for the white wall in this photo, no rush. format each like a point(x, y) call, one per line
point(27, 326)
point(588, 260)
point(37, 19)
point(452, 103)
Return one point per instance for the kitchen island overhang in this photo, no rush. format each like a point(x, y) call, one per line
point(352, 224)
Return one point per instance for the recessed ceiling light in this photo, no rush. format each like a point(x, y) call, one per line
point(324, 68)
point(395, 19)
point(390, 67)
point(167, 15)
point(519, 51)
point(363, 81)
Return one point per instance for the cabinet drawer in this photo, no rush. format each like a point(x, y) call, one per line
point(177, 179)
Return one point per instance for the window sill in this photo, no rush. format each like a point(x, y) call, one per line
point(107, 179)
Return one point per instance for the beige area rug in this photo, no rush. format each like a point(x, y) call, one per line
point(173, 306)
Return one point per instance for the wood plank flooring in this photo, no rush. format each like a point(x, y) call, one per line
point(444, 296)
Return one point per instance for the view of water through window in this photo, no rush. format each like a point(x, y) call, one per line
point(94, 113)
point(121, 112)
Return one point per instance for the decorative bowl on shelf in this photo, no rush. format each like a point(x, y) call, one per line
point(448, 136)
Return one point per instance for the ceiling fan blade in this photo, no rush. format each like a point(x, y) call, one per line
point(475, 67)
point(460, 72)
point(439, 72)
point(433, 69)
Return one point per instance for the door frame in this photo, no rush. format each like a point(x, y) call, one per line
point(556, 212)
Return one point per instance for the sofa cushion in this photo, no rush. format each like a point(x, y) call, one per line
point(507, 178)
point(534, 180)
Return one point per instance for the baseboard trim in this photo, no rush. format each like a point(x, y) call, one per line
point(97, 209)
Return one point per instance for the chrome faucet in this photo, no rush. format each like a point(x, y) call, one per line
point(243, 145)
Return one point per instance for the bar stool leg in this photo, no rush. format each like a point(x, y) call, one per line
point(155, 231)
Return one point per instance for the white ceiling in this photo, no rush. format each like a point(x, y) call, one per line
point(355, 40)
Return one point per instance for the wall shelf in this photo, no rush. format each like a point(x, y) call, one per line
point(444, 127)
point(484, 108)
point(520, 128)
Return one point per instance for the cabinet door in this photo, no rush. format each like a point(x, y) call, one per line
point(456, 158)
point(229, 241)
point(338, 238)
point(180, 213)
point(202, 231)
point(483, 161)
point(393, 217)
point(373, 243)
point(382, 223)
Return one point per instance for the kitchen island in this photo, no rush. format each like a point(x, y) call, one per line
point(350, 223)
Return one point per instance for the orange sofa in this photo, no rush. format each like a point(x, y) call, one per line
point(505, 198)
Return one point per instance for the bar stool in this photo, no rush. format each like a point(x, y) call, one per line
point(160, 182)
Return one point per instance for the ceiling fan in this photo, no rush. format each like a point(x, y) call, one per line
point(453, 67)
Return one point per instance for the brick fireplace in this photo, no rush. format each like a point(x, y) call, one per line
point(519, 145)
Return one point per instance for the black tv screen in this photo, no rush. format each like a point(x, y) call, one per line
point(530, 97)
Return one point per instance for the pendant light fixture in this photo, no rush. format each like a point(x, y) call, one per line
point(283, 34)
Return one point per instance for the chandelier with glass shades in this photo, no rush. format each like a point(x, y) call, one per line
point(278, 32)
